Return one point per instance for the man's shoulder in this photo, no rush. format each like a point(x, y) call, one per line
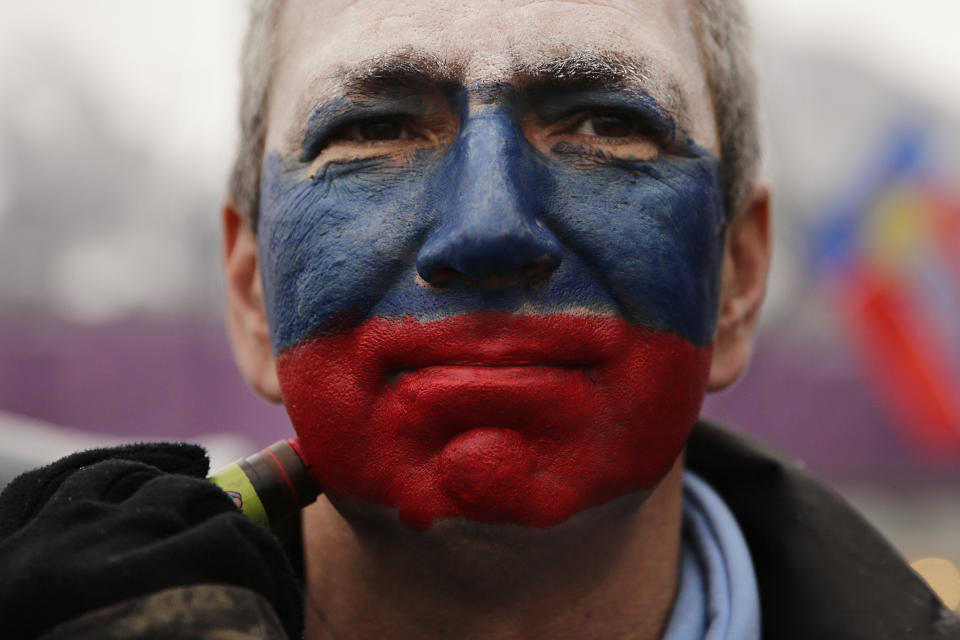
point(822, 569)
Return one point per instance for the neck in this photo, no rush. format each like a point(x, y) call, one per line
point(610, 572)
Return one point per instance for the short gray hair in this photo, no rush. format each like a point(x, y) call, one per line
point(256, 69)
point(722, 31)
point(726, 52)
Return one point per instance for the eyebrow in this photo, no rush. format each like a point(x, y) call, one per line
point(609, 70)
point(589, 68)
point(403, 69)
point(410, 72)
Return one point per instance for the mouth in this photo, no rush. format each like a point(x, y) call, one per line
point(492, 345)
point(485, 371)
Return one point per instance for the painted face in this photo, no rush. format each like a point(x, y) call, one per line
point(490, 260)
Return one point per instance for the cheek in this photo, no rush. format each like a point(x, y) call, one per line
point(332, 246)
point(654, 235)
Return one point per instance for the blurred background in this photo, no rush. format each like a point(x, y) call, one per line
point(117, 127)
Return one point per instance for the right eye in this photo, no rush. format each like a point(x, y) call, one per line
point(607, 125)
point(382, 130)
point(379, 130)
point(369, 137)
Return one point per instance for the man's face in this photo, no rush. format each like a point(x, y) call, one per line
point(490, 243)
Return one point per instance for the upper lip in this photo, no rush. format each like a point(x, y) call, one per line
point(493, 339)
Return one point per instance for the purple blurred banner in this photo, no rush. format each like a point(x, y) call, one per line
point(139, 377)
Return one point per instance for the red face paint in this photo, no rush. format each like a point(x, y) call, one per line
point(491, 416)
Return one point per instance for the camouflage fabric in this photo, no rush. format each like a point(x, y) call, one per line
point(197, 612)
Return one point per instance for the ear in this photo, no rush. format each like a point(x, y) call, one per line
point(246, 311)
point(743, 283)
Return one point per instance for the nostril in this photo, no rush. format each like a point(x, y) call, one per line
point(493, 262)
point(442, 276)
point(537, 273)
point(533, 274)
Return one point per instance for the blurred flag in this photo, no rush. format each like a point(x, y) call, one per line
point(889, 255)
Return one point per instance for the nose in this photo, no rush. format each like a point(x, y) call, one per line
point(489, 200)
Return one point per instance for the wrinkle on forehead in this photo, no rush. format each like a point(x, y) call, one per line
point(325, 42)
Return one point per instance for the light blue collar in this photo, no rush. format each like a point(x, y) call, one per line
point(717, 597)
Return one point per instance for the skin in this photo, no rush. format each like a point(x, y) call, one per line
point(604, 563)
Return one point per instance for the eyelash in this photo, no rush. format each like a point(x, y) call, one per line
point(635, 124)
point(351, 131)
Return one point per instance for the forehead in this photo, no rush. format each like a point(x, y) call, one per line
point(321, 43)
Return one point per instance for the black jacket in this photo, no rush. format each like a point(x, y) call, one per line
point(823, 571)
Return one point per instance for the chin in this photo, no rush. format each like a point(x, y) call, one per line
point(456, 535)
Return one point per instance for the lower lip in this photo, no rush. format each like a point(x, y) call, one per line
point(528, 444)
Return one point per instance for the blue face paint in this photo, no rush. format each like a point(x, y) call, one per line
point(619, 236)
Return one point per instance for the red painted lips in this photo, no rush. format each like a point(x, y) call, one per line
point(492, 416)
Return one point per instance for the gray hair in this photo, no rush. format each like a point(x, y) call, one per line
point(722, 31)
point(256, 68)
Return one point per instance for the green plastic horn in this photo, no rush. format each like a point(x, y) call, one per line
point(270, 484)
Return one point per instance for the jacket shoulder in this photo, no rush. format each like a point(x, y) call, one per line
point(822, 569)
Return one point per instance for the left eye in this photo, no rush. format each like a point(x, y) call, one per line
point(607, 125)
point(378, 131)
